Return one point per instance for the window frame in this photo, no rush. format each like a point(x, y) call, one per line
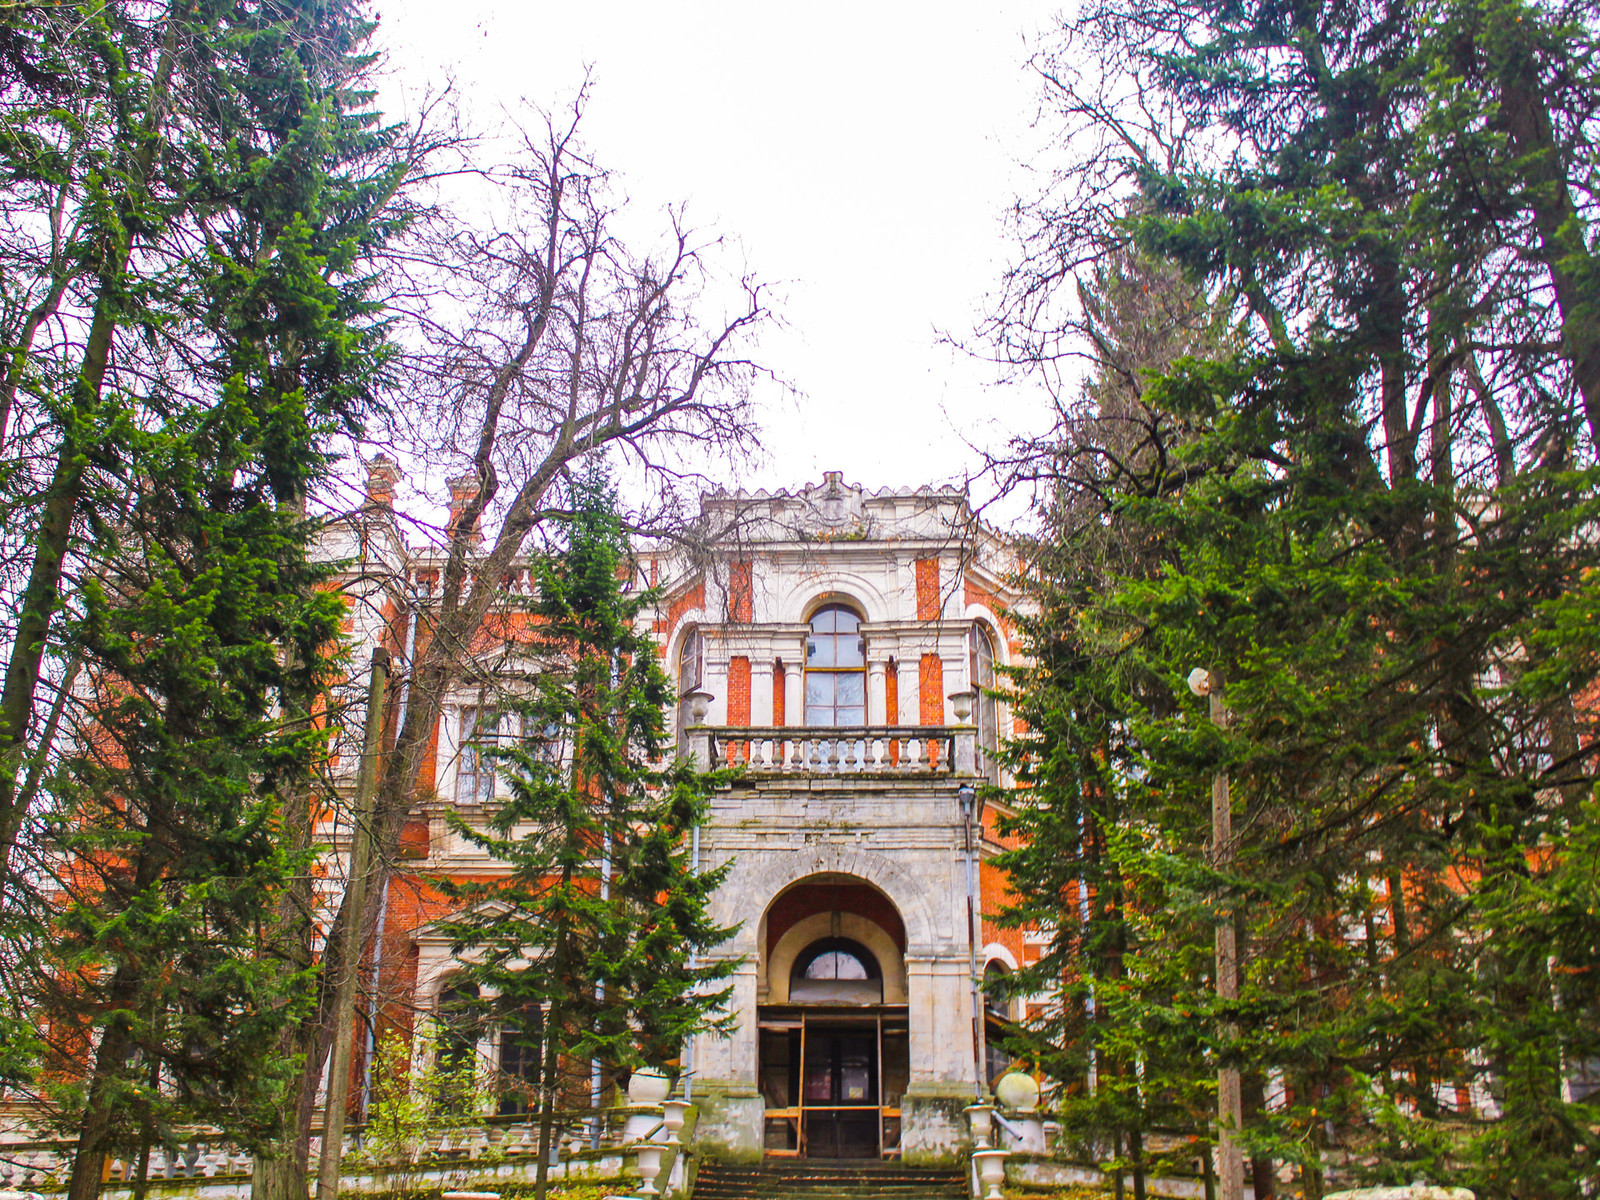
point(832, 671)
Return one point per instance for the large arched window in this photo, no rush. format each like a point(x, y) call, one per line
point(985, 708)
point(997, 1021)
point(836, 669)
point(521, 1058)
point(691, 675)
point(460, 1022)
point(836, 971)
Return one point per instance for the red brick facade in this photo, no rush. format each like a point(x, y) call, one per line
point(927, 589)
point(741, 592)
point(739, 690)
point(930, 690)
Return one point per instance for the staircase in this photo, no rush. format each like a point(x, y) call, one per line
point(828, 1179)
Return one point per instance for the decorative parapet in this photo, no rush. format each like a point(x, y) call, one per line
point(888, 750)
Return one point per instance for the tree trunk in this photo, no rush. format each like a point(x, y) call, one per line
point(53, 537)
point(547, 1101)
point(1563, 249)
point(94, 1134)
point(1261, 1176)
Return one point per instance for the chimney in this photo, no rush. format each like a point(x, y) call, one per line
point(383, 473)
point(463, 490)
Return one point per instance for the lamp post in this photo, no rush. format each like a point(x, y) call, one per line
point(967, 798)
point(1230, 1162)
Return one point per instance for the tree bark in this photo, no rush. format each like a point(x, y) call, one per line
point(1563, 247)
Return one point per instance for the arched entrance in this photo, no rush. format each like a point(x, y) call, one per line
point(833, 1046)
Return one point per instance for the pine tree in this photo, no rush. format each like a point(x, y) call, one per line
point(594, 943)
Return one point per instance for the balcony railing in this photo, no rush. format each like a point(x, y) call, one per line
point(894, 750)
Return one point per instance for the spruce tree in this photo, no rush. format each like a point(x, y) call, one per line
point(176, 957)
point(594, 943)
point(1374, 536)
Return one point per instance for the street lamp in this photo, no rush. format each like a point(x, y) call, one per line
point(967, 799)
point(1230, 1162)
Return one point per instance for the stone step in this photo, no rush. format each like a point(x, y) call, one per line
point(819, 1179)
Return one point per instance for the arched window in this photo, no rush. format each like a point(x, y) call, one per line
point(836, 669)
point(691, 675)
point(521, 1046)
point(994, 1001)
point(459, 1023)
point(836, 971)
point(985, 708)
point(997, 1019)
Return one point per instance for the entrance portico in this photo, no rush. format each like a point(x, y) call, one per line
point(855, 1037)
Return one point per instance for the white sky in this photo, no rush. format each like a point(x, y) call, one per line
point(863, 155)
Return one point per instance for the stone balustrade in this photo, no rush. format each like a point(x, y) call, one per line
point(500, 1147)
point(895, 750)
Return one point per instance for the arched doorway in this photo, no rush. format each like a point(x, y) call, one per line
point(833, 1044)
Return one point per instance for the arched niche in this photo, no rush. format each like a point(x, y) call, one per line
point(823, 907)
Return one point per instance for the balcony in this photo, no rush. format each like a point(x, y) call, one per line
point(895, 751)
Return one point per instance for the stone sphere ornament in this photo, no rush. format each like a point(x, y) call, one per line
point(1017, 1091)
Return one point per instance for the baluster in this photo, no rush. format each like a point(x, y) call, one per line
point(920, 762)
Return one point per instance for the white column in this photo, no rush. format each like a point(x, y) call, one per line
point(731, 1060)
point(910, 665)
point(940, 1019)
point(794, 701)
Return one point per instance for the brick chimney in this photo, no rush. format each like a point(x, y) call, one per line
point(383, 473)
point(463, 490)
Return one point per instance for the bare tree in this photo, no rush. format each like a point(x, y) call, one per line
point(537, 343)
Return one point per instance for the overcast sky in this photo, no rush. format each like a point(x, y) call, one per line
point(862, 154)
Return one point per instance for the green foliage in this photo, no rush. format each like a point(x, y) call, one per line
point(598, 934)
point(1369, 514)
point(201, 188)
point(415, 1096)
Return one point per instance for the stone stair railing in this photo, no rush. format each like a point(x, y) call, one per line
point(42, 1165)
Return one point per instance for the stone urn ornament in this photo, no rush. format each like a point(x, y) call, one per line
point(677, 1111)
point(699, 706)
point(991, 1171)
point(981, 1117)
point(649, 1154)
point(648, 1087)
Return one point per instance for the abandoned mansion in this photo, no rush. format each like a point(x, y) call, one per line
point(841, 645)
